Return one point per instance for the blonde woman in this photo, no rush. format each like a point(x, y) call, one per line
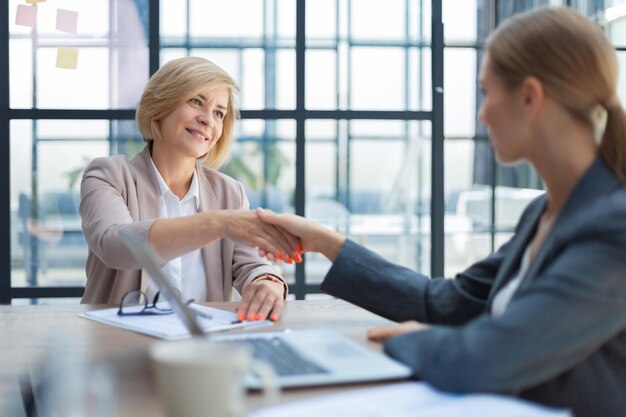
point(172, 195)
point(544, 317)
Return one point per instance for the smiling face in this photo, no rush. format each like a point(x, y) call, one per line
point(195, 126)
point(502, 112)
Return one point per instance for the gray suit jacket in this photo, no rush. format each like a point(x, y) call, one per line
point(120, 194)
point(562, 339)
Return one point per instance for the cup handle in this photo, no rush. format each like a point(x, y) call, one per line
point(269, 380)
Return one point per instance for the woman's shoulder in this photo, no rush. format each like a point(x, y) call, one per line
point(109, 167)
point(611, 209)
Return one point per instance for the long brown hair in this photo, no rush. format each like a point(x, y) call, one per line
point(574, 61)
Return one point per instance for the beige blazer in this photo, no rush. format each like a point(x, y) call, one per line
point(117, 193)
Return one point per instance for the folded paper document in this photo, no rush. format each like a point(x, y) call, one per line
point(409, 400)
point(170, 326)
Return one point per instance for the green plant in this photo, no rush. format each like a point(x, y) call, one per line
point(238, 166)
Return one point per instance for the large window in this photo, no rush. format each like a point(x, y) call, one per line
point(344, 115)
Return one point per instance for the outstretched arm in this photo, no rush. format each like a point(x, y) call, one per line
point(313, 236)
point(177, 236)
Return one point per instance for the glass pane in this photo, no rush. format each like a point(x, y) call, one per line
point(316, 130)
point(285, 79)
point(21, 73)
point(420, 79)
point(47, 244)
point(286, 19)
point(87, 87)
point(419, 12)
point(321, 20)
point(173, 53)
point(226, 19)
point(366, 77)
point(460, 20)
point(111, 67)
point(460, 88)
point(369, 21)
point(377, 79)
point(388, 198)
point(321, 79)
point(173, 19)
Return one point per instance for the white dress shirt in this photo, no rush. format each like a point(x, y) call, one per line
point(187, 271)
point(503, 297)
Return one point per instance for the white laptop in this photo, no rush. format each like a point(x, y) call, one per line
point(299, 357)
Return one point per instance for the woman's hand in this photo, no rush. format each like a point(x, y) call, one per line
point(380, 334)
point(313, 236)
point(244, 226)
point(262, 298)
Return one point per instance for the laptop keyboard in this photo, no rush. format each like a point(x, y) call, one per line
point(283, 358)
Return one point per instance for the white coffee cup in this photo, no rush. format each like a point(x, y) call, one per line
point(200, 378)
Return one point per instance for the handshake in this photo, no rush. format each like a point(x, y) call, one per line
point(281, 237)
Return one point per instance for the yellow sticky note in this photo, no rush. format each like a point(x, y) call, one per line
point(67, 58)
point(34, 1)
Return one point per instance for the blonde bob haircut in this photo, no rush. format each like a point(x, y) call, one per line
point(176, 82)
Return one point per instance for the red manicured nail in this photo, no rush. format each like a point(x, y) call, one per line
point(299, 249)
point(250, 317)
point(298, 258)
point(259, 316)
point(289, 260)
point(280, 255)
point(242, 317)
point(274, 317)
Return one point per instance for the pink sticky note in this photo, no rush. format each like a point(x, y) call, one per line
point(26, 16)
point(67, 58)
point(67, 20)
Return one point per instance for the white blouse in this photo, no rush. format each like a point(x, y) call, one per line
point(504, 295)
point(187, 271)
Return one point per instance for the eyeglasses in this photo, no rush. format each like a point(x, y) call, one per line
point(135, 303)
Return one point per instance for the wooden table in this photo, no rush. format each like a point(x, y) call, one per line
point(27, 332)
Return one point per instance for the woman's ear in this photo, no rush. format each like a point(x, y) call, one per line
point(533, 96)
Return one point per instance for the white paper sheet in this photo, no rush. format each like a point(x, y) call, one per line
point(414, 399)
point(169, 326)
